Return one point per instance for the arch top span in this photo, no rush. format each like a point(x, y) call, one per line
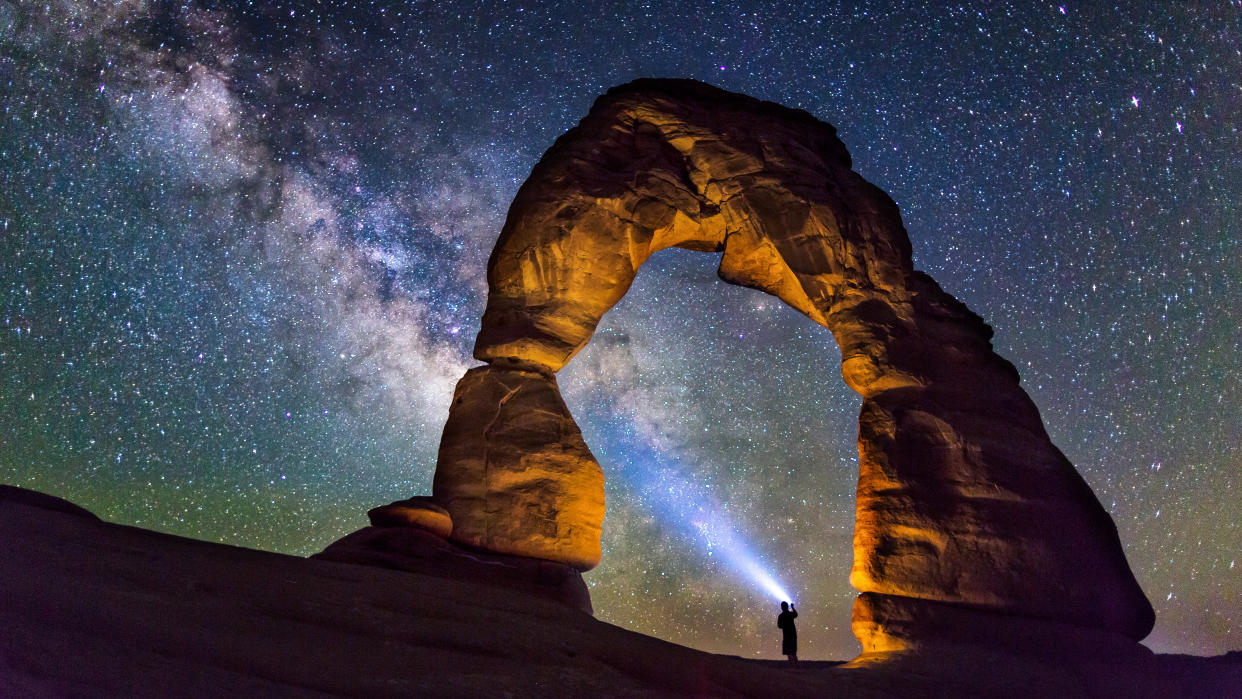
point(962, 498)
point(676, 163)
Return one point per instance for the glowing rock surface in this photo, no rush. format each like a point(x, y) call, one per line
point(962, 497)
point(514, 472)
point(421, 512)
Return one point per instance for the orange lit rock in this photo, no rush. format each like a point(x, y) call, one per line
point(962, 498)
point(421, 512)
point(889, 623)
point(514, 473)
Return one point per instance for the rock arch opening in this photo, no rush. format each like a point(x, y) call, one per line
point(721, 464)
point(964, 505)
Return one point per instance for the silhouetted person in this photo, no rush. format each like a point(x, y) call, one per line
point(789, 641)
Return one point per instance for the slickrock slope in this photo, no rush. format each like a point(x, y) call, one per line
point(962, 498)
point(91, 609)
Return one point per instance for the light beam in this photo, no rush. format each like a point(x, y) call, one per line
point(692, 507)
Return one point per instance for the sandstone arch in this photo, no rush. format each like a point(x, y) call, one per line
point(964, 504)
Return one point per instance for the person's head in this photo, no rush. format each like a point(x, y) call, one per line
point(784, 606)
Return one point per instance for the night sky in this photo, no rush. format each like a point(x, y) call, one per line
point(243, 247)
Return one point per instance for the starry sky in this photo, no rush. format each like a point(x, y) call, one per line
point(243, 247)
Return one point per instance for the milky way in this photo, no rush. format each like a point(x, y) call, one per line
point(242, 255)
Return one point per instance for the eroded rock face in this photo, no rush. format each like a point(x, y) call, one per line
point(514, 473)
point(420, 512)
point(962, 498)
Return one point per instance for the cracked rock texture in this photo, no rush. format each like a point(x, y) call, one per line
point(962, 497)
point(513, 471)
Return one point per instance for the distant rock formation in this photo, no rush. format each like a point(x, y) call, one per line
point(962, 497)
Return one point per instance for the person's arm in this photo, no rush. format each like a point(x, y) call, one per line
point(793, 611)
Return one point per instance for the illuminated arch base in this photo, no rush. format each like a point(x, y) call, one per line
point(964, 504)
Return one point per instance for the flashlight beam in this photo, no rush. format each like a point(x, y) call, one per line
point(695, 511)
